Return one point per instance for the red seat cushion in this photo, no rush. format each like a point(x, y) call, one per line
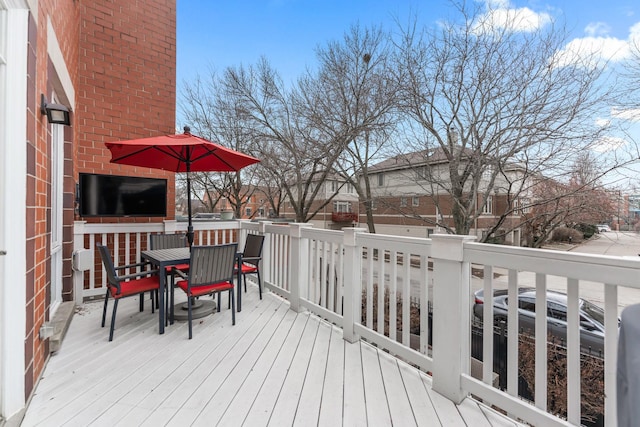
point(204, 289)
point(248, 268)
point(181, 267)
point(136, 286)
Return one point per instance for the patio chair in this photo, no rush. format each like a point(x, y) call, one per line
point(125, 286)
point(251, 257)
point(211, 271)
point(169, 241)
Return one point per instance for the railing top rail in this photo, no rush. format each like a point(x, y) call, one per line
point(413, 245)
point(333, 236)
point(595, 268)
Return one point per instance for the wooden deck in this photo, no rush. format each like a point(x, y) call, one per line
point(274, 367)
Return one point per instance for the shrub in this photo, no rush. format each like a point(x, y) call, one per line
point(587, 230)
point(566, 234)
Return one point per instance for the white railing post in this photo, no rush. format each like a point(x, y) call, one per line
point(78, 276)
point(265, 264)
point(170, 226)
point(299, 263)
point(352, 282)
point(451, 315)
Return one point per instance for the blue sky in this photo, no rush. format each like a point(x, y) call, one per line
point(221, 33)
point(224, 33)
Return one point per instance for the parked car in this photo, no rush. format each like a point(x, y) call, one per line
point(603, 227)
point(591, 315)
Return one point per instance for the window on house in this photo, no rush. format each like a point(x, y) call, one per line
point(487, 209)
point(333, 186)
point(348, 188)
point(524, 205)
point(421, 172)
point(415, 201)
point(261, 212)
point(380, 179)
point(339, 206)
point(247, 211)
point(374, 205)
point(403, 202)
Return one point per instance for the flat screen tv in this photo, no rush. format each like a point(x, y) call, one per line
point(113, 195)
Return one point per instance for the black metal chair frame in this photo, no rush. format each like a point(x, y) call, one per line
point(148, 280)
point(211, 271)
point(251, 257)
point(169, 241)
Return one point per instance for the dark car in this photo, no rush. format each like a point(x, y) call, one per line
point(591, 316)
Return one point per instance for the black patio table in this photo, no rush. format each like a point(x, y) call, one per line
point(163, 258)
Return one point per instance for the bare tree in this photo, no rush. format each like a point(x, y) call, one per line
point(357, 71)
point(214, 113)
point(305, 130)
point(502, 106)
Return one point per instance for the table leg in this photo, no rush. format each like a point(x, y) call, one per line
point(161, 292)
point(239, 279)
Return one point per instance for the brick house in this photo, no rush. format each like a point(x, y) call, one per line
point(409, 197)
point(112, 64)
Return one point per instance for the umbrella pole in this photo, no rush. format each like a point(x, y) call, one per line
point(190, 226)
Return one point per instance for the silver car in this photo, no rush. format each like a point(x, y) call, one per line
point(591, 316)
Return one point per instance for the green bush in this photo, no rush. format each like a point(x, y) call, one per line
point(587, 230)
point(566, 234)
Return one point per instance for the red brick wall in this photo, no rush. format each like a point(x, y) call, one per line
point(127, 84)
point(41, 79)
point(120, 56)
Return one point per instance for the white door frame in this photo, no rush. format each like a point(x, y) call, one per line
point(13, 178)
point(57, 179)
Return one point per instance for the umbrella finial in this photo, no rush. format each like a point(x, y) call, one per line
point(187, 130)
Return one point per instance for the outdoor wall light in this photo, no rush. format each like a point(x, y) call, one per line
point(56, 113)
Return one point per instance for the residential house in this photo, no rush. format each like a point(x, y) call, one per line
point(111, 64)
point(410, 197)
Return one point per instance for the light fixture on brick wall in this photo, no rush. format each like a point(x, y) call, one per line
point(56, 113)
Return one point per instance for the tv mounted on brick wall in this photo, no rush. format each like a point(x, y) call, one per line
point(119, 196)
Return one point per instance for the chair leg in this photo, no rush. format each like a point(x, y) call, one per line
point(104, 310)
point(142, 301)
point(154, 303)
point(233, 306)
point(219, 304)
point(259, 283)
point(113, 318)
point(171, 303)
point(189, 315)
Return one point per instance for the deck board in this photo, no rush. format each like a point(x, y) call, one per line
point(274, 367)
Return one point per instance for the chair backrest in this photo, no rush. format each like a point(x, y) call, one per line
point(105, 255)
point(212, 264)
point(253, 248)
point(167, 241)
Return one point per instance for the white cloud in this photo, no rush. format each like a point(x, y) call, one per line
point(597, 47)
point(608, 143)
point(500, 15)
point(630, 114)
point(602, 122)
point(593, 51)
point(595, 29)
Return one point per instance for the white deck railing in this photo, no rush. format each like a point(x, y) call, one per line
point(335, 274)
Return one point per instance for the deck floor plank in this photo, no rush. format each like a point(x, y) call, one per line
point(262, 407)
point(311, 395)
point(331, 407)
point(375, 393)
point(238, 409)
point(284, 411)
point(399, 405)
point(274, 367)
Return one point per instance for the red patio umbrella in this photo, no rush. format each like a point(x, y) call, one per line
point(179, 153)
